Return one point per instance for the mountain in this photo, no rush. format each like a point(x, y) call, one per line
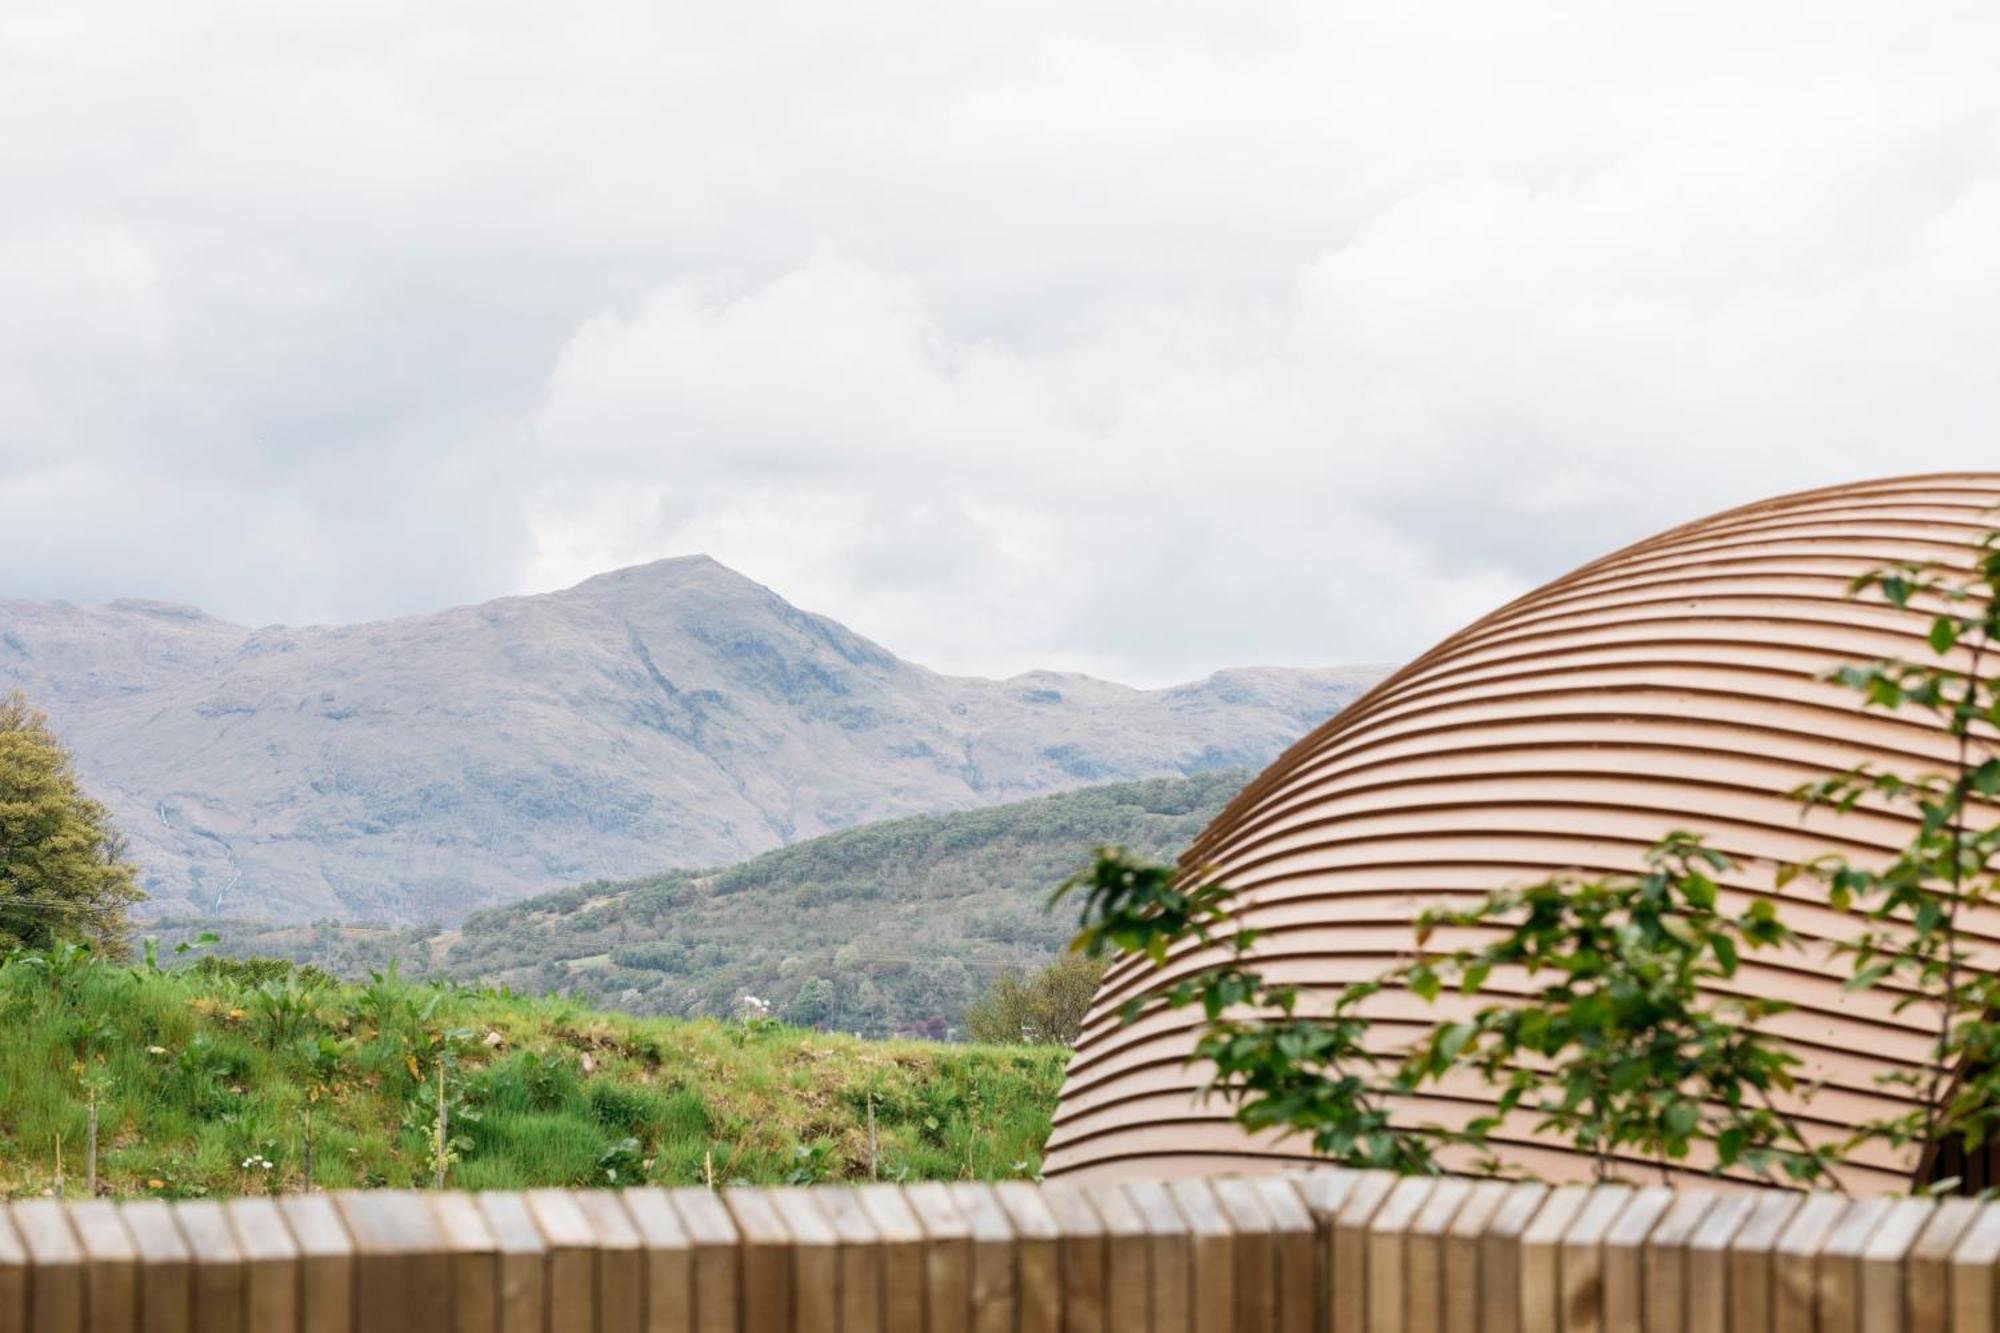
point(671, 714)
point(881, 929)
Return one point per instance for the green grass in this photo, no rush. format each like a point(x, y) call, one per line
point(197, 1073)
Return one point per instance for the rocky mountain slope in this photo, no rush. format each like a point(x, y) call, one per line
point(669, 714)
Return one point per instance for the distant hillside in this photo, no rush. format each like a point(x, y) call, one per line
point(670, 714)
point(879, 929)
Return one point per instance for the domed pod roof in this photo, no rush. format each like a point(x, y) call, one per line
point(1672, 685)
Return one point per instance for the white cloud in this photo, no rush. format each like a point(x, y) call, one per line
point(1141, 338)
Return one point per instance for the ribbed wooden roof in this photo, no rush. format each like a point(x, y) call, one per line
point(1671, 685)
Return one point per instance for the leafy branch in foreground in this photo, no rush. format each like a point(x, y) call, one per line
point(1913, 906)
point(1617, 1040)
point(1283, 1068)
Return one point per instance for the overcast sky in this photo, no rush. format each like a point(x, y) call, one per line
point(1142, 338)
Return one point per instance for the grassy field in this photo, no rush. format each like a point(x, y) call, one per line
point(214, 1080)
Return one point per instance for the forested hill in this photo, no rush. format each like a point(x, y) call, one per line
point(893, 927)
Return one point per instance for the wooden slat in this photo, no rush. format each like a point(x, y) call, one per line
point(1256, 1255)
point(1348, 1251)
point(55, 1266)
point(718, 1266)
point(402, 1271)
point(1707, 1303)
point(1538, 1258)
point(621, 1269)
point(1839, 1265)
point(519, 1260)
point(218, 1265)
point(767, 1261)
point(326, 1263)
point(1388, 1253)
point(995, 1285)
point(110, 1266)
point(1663, 1261)
point(1928, 1270)
point(901, 1241)
point(1169, 1256)
point(1211, 1256)
point(571, 1267)
point(474, 1259)
point(858, 1254)
point(1425, 1260)
point(1882, 1263)
point(1039, 1257)
point(1581, 1254)
point(1463, 1298)
point(1127, 1295)
point(1081, 1237)
point(1323, 1191)
point(1295, 1240)
point(1795, 1263)
point(948, 1258)
point(1622, 1263)
point(13, 1277)
point(669, 1257)
point(1975, 1305)
point(166, 1269)
point(270, 1264)
point(1750, 1301)
point(815, 1261)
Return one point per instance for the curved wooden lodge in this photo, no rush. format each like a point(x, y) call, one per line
point(1672, 685)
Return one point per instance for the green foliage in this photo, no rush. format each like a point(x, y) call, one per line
point(63, 872)
point(1613, 1044)
point(1910, 908)
point(198, 1073)
point(1047, 1007)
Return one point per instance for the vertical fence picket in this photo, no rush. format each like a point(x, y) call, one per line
point(1838, 1268)
point(1424, 1263)
point(519, 1253)
point(947, 1257)
point(718, 1260)
point(1256, 1255)
point(815, 1260)
point(1169, 1256)
point(1323, 1192)
point(1211, 1256)
point(1347, 1297)
point(326, 1263)
point(669, 1261)
point(1039, 1260)
point(1295, 1242)
point(1127, 1280)
point(1663, 1264)
point(473, 1257)
point(166, 1270)
point(270, 1264)
point(1460, 1293)
point(218, 1266)
point(901, 1241)
point(858, 1257)
point(1928, 1270)
point(1975, 1305)
point(570, 1268)
point(995, 1279)
point(1795, 1259)
point(1707, 1308)
point(110, 1267)
point(402, 1271)
point(1580, 1259)
point(1624, 1281)
point(1538, 1259)
point(1750, 1260)
point(1082, 1242)
point(55, 1266)
point(1882, 1259)
point(767, 1261)
point(621, 1265)
point(1388, 1254)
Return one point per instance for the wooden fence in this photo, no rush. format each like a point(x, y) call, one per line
point(1322, 1252)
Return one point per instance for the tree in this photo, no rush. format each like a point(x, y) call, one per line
point(1911, 907)
point(63, 872)
point(1046, 1008)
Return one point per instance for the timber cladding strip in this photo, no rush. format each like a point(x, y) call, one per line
point(1316, 1252)
point(1319, 1251)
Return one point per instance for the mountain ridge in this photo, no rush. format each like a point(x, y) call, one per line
point(672, 713)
